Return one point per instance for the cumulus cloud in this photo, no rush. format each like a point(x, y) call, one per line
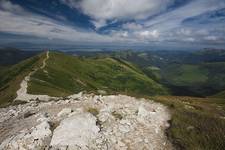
point(119, 9)
point(149, 34)
point(125, 21)
point(41, 26)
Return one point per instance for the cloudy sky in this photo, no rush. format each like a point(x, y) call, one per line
point(160, 23)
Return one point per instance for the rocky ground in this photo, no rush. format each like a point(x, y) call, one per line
point(82, 122)
point(85, 121)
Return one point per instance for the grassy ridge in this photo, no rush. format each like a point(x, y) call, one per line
point(66, 75)
point(197, 123)
point(11, 78)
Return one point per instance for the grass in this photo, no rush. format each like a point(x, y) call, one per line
point(185, 75)
point(11, 78)
point(197, 123)
point(68, 74)
point(117, 115)
point(197, 80)
point(93, 111)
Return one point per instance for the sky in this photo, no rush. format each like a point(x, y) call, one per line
point(159, 24)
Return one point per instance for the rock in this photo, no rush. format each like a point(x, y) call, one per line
point(124, 128)
point(142, 112)
point(78, 130)
point(125, 122)
point(28, 114)
point(76, 96)
point(122, 122)
point(36, 138)
point(64, 112)
point(102, 92)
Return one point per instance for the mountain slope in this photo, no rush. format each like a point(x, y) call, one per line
point(11, 77)
point(194, 73)
point(65, 75)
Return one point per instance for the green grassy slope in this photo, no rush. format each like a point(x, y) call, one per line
point(194, 73)
point(11, 77)
point(197, 123)
point(203, 79)
point(66, 75)
point(185, 74)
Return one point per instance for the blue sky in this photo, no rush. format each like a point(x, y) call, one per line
point(172, 24)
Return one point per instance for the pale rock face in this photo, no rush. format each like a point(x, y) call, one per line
point(76, 96)
point(36, 138)
point(64, 112)
point(121, 122)
point(77, 130)
point(142, 112)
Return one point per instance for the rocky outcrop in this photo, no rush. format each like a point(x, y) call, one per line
point(86, 122)
point(37, 138)
point(75, 132)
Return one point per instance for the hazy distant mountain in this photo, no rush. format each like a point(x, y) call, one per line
point(10, 56)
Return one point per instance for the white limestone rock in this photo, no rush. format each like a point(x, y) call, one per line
point(78, 130)
point(64, 112)
point(37, 138)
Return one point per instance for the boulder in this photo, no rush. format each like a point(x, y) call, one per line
point(77, 130)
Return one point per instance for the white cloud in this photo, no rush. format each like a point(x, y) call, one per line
point(154, 34)
point(165, 27)
point(6, 5)
point(173, 19)
point(132, 26)
point(211, 38)
point(119, 9)
point(99, 23)
point(40, 26)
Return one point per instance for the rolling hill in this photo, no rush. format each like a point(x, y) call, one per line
point(185, 73)
point(11, 77)
point(64, 75)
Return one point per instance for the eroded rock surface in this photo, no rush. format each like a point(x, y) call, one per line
point(85, 122)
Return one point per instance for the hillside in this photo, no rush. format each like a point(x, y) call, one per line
point(194, 73)
point(11, 77)
point(65, 75)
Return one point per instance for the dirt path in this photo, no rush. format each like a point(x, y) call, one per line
point(22, 94)
point(44, 61)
